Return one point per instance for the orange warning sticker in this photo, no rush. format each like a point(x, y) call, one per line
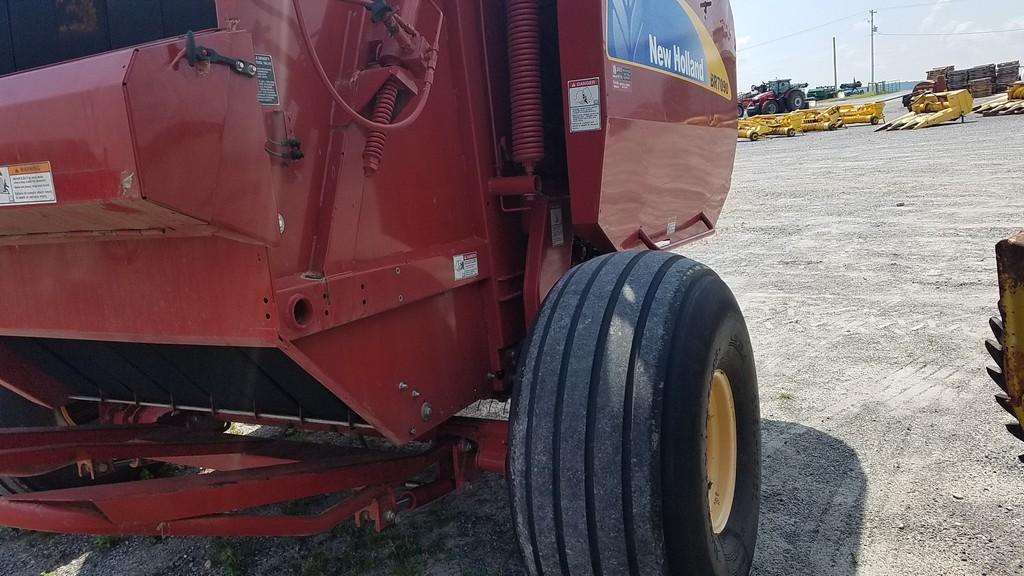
point(25, 184)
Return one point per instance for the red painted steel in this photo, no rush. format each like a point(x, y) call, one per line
point(186, 216)
point(250, 472)
point(667, 151)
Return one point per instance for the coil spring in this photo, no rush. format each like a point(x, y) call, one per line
point(383, 113)
point(525, 73)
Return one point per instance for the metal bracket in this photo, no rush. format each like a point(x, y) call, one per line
point(196, 53)
point(379, 10)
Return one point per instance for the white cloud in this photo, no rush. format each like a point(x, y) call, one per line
point(933, 15)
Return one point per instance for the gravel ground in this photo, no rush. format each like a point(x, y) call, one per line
point(864, 263)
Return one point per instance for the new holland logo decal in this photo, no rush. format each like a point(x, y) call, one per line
point(666, 36)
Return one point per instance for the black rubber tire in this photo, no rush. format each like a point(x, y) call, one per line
point(795, 100)
point(770, 107)
point(740, 111)
point(753, 110)
point(597, 437)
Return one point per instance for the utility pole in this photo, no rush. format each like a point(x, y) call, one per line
point(874, 30)
point(835, 63)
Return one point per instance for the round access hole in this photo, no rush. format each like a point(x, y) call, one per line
point(302, 311)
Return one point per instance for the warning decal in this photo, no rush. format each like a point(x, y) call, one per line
point(585, 105)
point(466, 266)
point(27, 184)
point(266, 78)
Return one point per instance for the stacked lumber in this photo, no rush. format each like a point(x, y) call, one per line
point(958, 79)
point(1006, 74)
point(981, 88)
point(982, 72)
point(934, 73)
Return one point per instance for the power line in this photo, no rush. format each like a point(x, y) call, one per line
point(837, 21)
point(956, 33)
point(800, 32)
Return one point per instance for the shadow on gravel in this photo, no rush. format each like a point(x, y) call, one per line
point(812, 503)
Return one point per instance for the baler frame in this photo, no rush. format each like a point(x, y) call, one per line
point(244, 473)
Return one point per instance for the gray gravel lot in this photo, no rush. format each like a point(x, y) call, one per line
point(864, 263)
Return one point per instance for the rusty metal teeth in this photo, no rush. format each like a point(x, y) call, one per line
point(995, 350)
point(996, 324)
point(1016, 431)
point(997, 376)
point(1004, 402)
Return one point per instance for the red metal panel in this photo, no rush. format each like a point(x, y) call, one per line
point(666, 151)
point(173, 291)
point(72, 115)
point(200, 138)
point(389, 366)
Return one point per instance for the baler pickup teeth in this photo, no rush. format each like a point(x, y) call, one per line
point(933, 109)
point(1010, 103)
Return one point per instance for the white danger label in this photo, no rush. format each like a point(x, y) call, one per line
point(27, 184)
point(585, 105)
point(557, 228)
point(466, 266)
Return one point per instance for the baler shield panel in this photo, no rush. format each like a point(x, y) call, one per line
point(252, 381)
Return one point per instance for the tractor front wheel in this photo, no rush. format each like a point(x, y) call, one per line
point(635, 431)
point(770, 107)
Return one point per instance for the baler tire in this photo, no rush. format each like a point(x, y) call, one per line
point(608, 469)
point(16, 412)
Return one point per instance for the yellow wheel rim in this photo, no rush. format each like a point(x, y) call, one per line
point(721, 451)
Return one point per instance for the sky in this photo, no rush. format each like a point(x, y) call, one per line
point(807, 57)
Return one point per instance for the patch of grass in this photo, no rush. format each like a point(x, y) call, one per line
point(225, 555)
point(786, 396)
point(315, 564)
point(107, 542)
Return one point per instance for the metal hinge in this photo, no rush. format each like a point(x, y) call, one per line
point(196, 53)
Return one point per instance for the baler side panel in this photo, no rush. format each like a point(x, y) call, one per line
point(306, 112)
point(390, 308)
point(74, 117)
point(667, 145)
point(198, 134)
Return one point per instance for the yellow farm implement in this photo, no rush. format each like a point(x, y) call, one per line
point(821, 120)
point(932, 109)
point(871, 113)
point(1007, 349)
point(770, 125)
point(1010, 103)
